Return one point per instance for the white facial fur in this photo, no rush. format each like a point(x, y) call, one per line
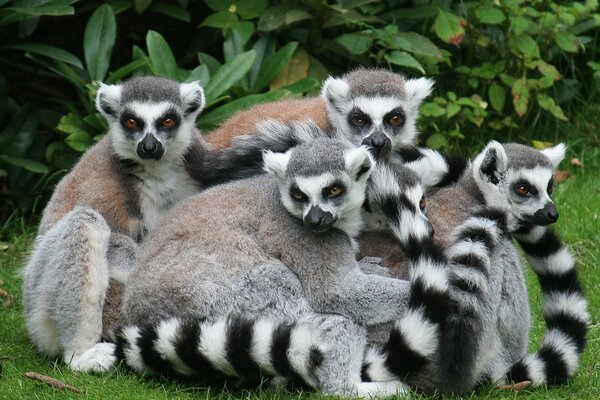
point(376, 108)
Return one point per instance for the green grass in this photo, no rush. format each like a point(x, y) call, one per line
point(578, 199)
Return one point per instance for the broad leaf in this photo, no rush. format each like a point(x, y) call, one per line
point(126, 70)
point(520, 93)
point(273, 65)
point(172, 10)
point(200, 73)
point(527, 46)
point(405, 60)
point(141, 5)
point(567, 41)
point(449, 27)
point(490, 15)
point(355, 43)
point(497, 96)
point(29, 165)
point(98, 41)
point(228, 74)
point(161, 56)
point(419, 44)
point(281, 15)
point(48, 51)
point(221, 20)
point(547, 103)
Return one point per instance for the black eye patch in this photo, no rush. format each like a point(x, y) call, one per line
point(298, 195)
point(168, 121)
point(396, 118)
point(358, 118)
point(131, 122)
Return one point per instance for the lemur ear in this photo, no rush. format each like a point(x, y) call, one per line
point(276, 163)
point(418, 89)
point(491, 164)
point(359, 162)
point(192, 98)
point(335, 90)
point(430, 167)
point(108, 99)
point(555, 153)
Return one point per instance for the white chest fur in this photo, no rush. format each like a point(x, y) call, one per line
point(160, 188)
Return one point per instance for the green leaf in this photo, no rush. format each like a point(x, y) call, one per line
point(281, 15)
point(355, 43)
point(29, 165)
point(161, 56)
point(13, 14)
point(567, 41)
point(126, 70)
point(48, 51)
point(437, 141)
point(490, 15)
point(549, 71)
point(296, 69)
point(486, 71)
point(273, 65)
point(449, 27)
point(452, 110)
point(79, 141)
point(527, 46)
point(497, 96)
point(248, 9)
point(228, 74)
point(141, 5)
point(303, 85)
point(61, 69)
point(264, 47)
point(430, 109)
point(212, 63)
point(404, 59)
point(215, 117)
point(518, 25)
point(221, 20)
point(98, 41)
point(547, 103)
point(20, 131)
point(520, 93)
point(172, 10)
point(200, 73)
point(419, 44)
point(217, 5)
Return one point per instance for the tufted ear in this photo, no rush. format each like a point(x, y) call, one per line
point(335, 90)
point(418, 89)
point(276, 163)
point(108, 99)
point(359, 163)
point(491, 164)
point(192, 98)
point(555, 153)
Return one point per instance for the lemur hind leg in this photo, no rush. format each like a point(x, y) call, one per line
point(65, 286)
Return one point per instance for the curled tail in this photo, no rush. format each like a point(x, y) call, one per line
point(434, 169)
point(243, 158)
point(565, 311)
point(231, 347)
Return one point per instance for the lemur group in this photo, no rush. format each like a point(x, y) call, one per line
point(308, 242)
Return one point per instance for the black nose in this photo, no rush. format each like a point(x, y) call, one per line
point(553, 215)
point(318, 220)
point(379, 144)
point(545, 216)
point(150, 148)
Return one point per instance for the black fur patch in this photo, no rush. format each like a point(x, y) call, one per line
point(409, 153)
point(279, 348)
point(471, 261)
point(464, 285)
point(567, 282)
point(390, 207)
point(477, 234)
point(239, 342)
point(548, 244)
point(121, 345)
point(518, 373)
point(456, 168)
point(495, 215)
point(186, 347)
point(572, 327)
point(437, 304)
point(151, 357)
point(400, 358)
point(489, 166)
point(555, 368)
point(426, 247)
point(364, 375)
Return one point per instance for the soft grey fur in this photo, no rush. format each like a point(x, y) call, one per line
point(258, 260)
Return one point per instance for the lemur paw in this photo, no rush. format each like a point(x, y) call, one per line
point(98, 359)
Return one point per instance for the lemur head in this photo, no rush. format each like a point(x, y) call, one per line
point(375, 107)
point(150, 117)
point(520, 179)
point(323, 183)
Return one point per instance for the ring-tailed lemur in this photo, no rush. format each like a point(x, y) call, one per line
point(277, 272)
point(486, 333)
point(119, 190)
point(374, 107)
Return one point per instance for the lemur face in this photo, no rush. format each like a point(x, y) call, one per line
point(520, 179)
point(376, 108)
point(150, 118)
point(323, 183)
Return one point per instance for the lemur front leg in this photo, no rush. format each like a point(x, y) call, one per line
point(565, 311)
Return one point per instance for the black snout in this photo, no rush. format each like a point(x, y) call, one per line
point(318, 220)
point(379, 144)
point(150, 148)
point(545, 216)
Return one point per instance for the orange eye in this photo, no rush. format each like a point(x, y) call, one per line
point(422, 203)
point(396, 120)
point(522, 190)
point(335, 191)
point(550, 188)
point(357, 121)
point(168, 123)
point(131, 123)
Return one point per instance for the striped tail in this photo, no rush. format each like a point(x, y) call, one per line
point(565, 311)
point(434, 169)
point(414, 342)
point(231, 347)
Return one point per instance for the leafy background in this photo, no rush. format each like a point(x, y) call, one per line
point(511, 69)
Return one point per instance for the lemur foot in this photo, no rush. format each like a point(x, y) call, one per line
point(369, 390)
point(98, 359)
